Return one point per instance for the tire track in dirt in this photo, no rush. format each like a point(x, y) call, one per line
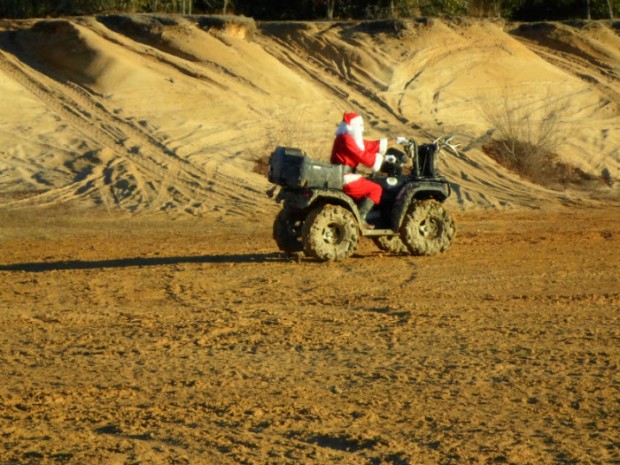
point(91, 120)
point(589, 70)
point(298, 59)
point(153, 47)
point(218, 352)
point(157, 171)
point(40, 89)
point(466, 188)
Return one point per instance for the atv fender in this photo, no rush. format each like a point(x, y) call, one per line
point(421, 190)
point(310, 199)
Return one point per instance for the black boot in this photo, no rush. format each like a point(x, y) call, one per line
point(364, 208)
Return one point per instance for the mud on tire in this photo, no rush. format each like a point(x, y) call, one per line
point(391, 244)
point(287, 231)
point(428, 228)
point(330, 233)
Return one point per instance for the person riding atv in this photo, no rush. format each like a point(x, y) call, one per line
point(319, 219)
point(350, 149)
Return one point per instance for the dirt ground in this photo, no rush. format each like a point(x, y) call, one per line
point(142, 340)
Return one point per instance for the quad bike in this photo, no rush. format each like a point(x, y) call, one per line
point(321, 221)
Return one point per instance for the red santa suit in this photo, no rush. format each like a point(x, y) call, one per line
point(350, 149)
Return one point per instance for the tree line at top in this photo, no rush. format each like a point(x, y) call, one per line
point(522, 10)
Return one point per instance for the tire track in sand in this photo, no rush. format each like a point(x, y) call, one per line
point(161, 179)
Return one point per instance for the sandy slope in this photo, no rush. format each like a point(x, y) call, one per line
point(169, 113)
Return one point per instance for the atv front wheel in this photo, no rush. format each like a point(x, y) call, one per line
point(287, 231)
point(330, 233)
point(391, 244)
point(428, 228)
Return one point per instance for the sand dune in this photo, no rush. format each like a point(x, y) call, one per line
point(159, 113)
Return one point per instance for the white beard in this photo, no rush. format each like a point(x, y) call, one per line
point(356, 132)
point(358, 137)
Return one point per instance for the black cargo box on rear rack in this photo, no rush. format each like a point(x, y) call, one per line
point(290, 167)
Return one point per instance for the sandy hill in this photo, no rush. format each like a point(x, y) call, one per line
point(161, 113)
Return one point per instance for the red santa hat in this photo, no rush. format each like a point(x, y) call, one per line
point(352, 124)
point(351, 119)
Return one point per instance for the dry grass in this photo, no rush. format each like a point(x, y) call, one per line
point(528, 137)
point(261, 165)
point(539, 167)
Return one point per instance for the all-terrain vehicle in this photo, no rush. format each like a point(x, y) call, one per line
point(320, 220)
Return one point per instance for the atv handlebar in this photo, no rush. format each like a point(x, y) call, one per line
point(421, 157)
point(443, 144)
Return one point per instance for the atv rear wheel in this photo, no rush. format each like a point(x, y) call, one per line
point(428, 228)
point(287, 231)
point(330, 233)
point(392, 244)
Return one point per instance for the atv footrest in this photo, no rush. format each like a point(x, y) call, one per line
point(378, 232)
